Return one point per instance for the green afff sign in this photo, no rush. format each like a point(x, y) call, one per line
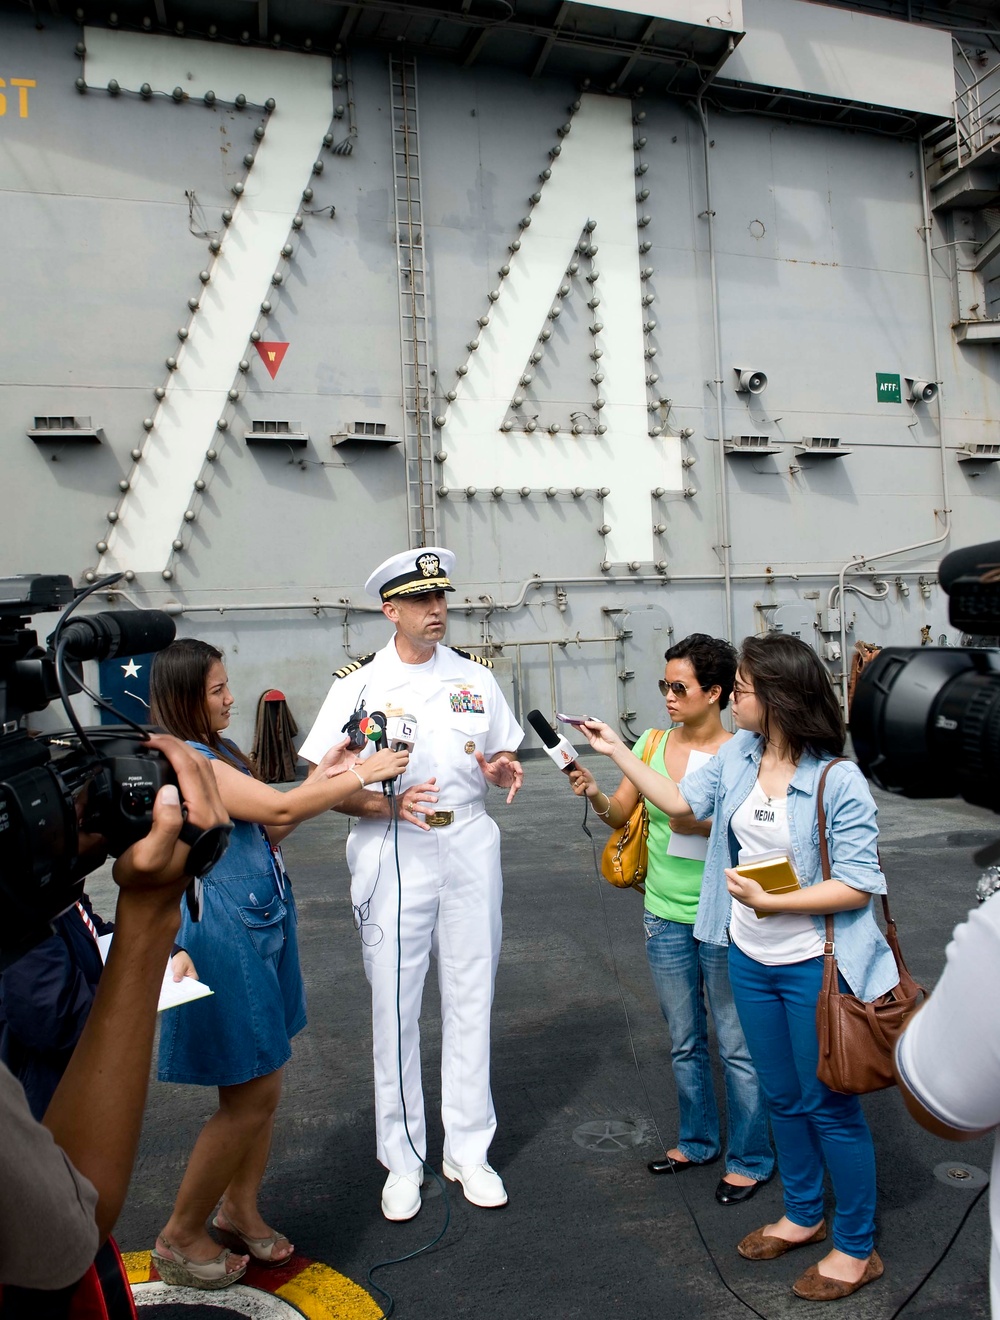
point(887, 388)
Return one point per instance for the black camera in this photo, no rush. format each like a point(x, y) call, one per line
point(67, 800)
point(925, 722)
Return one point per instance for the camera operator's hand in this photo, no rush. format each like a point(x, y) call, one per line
point(96, 1112)
point(153, 868)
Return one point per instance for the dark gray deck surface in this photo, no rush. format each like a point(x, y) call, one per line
point(587, 1233)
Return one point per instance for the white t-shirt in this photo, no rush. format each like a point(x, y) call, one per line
point(949, 1055)
point(761, 826)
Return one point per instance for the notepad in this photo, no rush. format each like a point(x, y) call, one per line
point(172, 993)
point(772, 871)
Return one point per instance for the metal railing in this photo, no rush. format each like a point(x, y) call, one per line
point(977, 109)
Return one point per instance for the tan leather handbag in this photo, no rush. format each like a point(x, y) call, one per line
point(856, 1039)
point(625, 856)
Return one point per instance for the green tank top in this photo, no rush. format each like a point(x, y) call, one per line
point(673, 884)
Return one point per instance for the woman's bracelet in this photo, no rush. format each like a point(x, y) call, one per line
point(358, 776)
point(607, 810)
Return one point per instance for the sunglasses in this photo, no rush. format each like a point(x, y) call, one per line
point(677, 688)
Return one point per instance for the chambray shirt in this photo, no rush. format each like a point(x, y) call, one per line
point(718, 788)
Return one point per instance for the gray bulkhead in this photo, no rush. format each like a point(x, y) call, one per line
point(110, 203)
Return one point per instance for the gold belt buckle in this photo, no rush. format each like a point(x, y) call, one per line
point(437, 819)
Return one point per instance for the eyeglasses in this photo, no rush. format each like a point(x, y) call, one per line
point(677, 688)
point(739, 691)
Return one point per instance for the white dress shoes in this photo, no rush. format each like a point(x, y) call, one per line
point(401, 1195)
point(481, 1184)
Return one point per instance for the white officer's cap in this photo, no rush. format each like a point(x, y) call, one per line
point(412, 573)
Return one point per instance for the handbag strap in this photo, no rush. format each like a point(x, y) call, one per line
point(824, 851)
point(656, 736)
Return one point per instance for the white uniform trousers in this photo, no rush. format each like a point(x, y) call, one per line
point(452, 890)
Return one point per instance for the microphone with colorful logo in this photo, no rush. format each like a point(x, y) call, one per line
point(559, 749)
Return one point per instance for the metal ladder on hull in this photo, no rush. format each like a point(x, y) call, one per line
point(413, 311)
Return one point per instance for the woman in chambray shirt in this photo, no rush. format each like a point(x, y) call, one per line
point(760, 790)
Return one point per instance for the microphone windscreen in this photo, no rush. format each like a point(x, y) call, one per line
point(543, 728)
point(972, 561)
point(130, 632)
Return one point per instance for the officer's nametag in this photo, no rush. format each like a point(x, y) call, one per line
point(470, 747)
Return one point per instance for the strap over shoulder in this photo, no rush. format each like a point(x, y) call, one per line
point(656, 736)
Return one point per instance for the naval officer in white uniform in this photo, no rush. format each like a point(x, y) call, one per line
point(449, 868)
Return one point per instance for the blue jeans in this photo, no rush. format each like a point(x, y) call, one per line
point(812, 1125)
point(684, 971)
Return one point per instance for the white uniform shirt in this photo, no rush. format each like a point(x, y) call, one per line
point(458, 707)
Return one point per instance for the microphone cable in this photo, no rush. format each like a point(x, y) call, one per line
point(419, 1251)
point(680, 1187)
point(635, 1059)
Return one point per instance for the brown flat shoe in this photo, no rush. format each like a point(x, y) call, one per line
point(816, 1287)
point(759, 1246)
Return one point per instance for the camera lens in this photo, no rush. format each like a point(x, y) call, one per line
point(927, 723)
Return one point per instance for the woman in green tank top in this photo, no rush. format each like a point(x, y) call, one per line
point(686, 972)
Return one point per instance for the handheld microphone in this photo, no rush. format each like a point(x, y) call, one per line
point(559, 750)
point(401, 733)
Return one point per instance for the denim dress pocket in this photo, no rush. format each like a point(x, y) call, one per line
point(266, 925)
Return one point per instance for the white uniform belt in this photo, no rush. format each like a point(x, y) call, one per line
point(443, 816)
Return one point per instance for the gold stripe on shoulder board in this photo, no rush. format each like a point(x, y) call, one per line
point(354, 665)
point(467, 655)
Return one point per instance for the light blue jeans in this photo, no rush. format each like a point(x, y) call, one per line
point(686, 971)
point(812, 1125)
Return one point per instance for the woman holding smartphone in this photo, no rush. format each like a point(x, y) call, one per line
point(760, 791)
point(686, 971)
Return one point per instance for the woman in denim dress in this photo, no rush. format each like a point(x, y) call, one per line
point(760, 790)
point(689, 973)
point(239, 1037)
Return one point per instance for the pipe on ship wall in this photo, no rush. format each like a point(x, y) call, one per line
point(725, 543)
point(945, 510)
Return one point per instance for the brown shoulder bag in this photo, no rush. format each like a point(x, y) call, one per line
point(626, 854)
point(856, 1039)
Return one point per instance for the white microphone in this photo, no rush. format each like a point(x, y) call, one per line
point(401, 733)
point(560, 751)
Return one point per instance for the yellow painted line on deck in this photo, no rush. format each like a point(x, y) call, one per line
point(318, 1291)
point(322, 1294)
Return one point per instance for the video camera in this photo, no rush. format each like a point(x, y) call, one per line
point(67, 800)
point(926, 721)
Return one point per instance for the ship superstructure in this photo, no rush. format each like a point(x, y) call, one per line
point(673, 316)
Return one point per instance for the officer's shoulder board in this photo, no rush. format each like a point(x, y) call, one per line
point(467, 655)
point(354, 665)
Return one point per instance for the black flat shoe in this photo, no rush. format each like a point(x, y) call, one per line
point(729, 1194)
point(668, 1165)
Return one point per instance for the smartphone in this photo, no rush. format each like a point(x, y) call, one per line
point(575, 720)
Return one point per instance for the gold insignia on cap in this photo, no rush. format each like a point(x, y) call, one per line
point(429, 565)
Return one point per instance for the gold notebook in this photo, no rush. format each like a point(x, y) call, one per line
point(775, 873)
